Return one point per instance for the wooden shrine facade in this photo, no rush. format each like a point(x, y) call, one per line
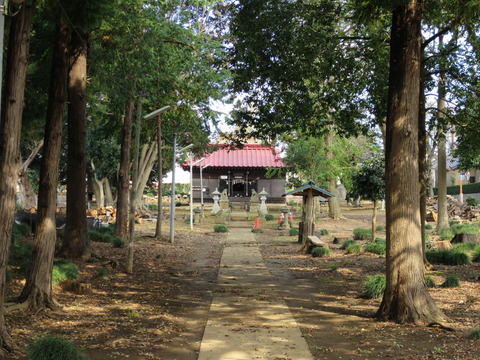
point(240, 172)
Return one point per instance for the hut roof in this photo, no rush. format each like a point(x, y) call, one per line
point(303, 190)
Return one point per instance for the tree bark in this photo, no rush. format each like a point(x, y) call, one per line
point(406, 298)
point(76, 243)
point(146, 162)
point(123, 178)
point(442, 162)
point(334, 211)
point(10, 131)
point(97, 186)
point(27, 194)
point(37, 292)
point(107, 190)
point(374, 219)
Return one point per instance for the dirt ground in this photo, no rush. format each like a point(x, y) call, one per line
point(161, 310)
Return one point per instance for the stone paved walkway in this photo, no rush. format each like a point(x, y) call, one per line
point(248, 320)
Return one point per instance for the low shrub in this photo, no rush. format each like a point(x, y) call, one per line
point(20, 254)
point(474, 333)
point(451, 281)
point(428, 227)
point(347, 243)
point(257, 231)
point(22, 229)
point(362, 234)
point(99, 236)
point(429, 282)
point(324, 232)
point(380, 228)
point(447, 234)
point(319, 251)
point(471, 201)
point(378, 247)
point(118, 242)
point(373, 287)
point(354, 248)
point(102, 272)
point(54, 348)
point(269, 217)
point(464, 247)
point(219, 228)
point(476, 254)
point(447, 257)
point(63, 270)
point(110, 229)
point(293, 232)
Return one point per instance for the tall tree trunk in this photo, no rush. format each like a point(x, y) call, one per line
point(334, 211)
point(97, 186)
point(107, 190)
point(406, 298)
point(422, 157)
point(10, 130)
point(123, 178)
point(76, 244)
point(28, 196)
point(37, 292)
point(146, 162)
point(442, 161)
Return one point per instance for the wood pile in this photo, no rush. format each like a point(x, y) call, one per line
point(455, 210)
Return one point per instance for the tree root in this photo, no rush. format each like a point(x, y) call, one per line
point(441, 326)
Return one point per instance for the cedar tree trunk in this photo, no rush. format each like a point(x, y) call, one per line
point(334, 211)
point(37, 292)
point(10, 130)
point(76, 244)
point(406, 298)
point(123, 178)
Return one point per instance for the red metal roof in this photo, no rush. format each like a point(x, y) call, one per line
point(251, 155)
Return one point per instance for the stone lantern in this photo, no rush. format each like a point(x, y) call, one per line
point(216, 197)
point(263, 206)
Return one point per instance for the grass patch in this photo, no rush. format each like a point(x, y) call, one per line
point(102, 272)
point(476, 254)
point(220, 228)
point(22, 230)
point(54, 348)
point(380, 228)
point(269, 217)
point(429, 282)
point(118, 242)
point(347, 243)
point(324, 232)
point(257, 231)
point(464, 247)
point(293, 232)
point(100, 236)
point(428, 227)
point(373, 287)
point(319, 251)
point(474, 333)
point(63, 270)
point(379, 247)
point(451, 281)
point(354, 248)
point(362, 234)
point(447, 257)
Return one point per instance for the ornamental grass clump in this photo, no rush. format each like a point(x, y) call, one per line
point(447, 257)
point(354, 248)
point(320, 251)
point(347, 243)
point(118, 242)
point(451, 281)
point(373, 287)
point(476, 254)
point(100, 236)
point(54, 348)
point(63, 270)
point(379, 247)
point(474, 333)
point(429, 282)
point(257, 231)
point(293, 232)
point(464, 247)
point(362, 234)
point(324, 232)
point(220, 228)
point(269, 217)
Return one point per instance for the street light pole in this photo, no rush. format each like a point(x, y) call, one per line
point(191, 188)
point(201, 186)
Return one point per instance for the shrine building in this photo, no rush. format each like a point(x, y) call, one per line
point(240, 172)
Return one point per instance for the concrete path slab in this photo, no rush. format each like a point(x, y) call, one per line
point(248, 320)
